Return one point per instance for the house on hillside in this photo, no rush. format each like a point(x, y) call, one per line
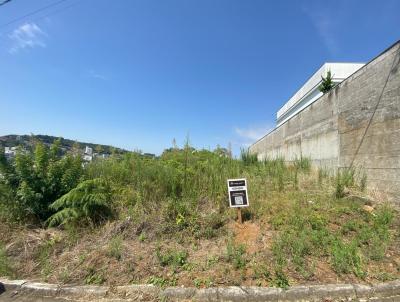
point(10, 152)
point(88, 154)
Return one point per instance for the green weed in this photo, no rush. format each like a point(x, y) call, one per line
point(247, 157)
point(236, 255)
point(161, 281)
point(142, 237)
point(280, 279)
point(115, 247)
point(203, 282)
point(44, 253)
point(171, 257)
point(5, 266)
point(346, 258)
point(303, 164)
point(94, 276)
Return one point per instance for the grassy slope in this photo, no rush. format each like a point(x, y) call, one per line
point(173, 227)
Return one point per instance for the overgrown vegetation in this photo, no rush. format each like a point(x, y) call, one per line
point(236, 255)
point(166, 220)
point(89, 202)
point(5, 266)
point(33, 181)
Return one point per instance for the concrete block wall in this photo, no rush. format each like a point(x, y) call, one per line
point(357, 123)
point(369, 122)
point(312, 133)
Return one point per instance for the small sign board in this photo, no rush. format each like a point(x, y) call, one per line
point(237, 189)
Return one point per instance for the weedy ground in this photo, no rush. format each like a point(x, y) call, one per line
point(172, 226)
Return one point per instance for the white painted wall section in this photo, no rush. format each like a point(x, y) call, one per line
point(309, 92)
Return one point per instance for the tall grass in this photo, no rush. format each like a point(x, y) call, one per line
point(247, 157)
point(181, 182)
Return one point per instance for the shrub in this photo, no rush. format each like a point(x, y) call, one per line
point(327, 83)
point(89, 202)
point(38, 178)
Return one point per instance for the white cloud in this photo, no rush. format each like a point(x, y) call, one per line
point(252, 133)
point(28, 35)
point(245, 137)
point(325, 25)
point(96, 75)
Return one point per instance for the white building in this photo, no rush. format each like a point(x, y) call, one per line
point(309, 92)
point(10, 152)
point(88, 150)
point(88, 154)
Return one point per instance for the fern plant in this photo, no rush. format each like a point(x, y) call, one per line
point(89, 202)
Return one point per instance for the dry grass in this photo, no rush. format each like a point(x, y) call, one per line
point(66, 257)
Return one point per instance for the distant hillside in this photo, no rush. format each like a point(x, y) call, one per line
point(28, 140)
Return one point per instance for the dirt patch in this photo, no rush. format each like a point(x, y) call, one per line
point(248, 234)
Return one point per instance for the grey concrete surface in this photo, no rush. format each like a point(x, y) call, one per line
point(358, 123)
point(20, 291)
point(14, 296)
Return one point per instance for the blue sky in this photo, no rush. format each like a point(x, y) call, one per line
point(137, 74)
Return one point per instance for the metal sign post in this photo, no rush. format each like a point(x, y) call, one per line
point(237, 190)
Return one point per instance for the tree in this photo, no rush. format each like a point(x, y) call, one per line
point(37, 179)
point(327, 83)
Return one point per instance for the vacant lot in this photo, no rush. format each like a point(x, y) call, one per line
point(166, 221)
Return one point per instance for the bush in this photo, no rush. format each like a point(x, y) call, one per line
point(327, 83)
point(89, 203)
point(36, 179)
